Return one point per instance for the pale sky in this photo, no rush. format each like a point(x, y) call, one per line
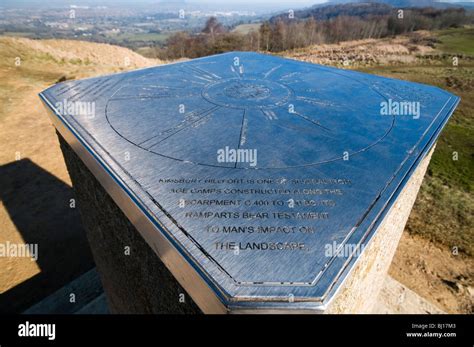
point(266, 3)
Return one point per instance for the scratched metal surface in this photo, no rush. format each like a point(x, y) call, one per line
point(169, 122)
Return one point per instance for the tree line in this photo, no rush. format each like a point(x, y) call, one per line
point(280, 33)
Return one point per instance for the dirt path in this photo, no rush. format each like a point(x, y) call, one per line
point(435, 273)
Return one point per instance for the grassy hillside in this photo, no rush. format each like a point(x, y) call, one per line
point(35, 188)
point(443, 215)
point(457, 41)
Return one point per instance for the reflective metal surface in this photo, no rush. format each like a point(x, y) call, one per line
point(257, 179)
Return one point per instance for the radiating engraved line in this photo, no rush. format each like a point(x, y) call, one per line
point(190, 114)
point(269, 72)
point(96, 89)
point(316, 102)
point(185, 125)
point(205, 72)
point(68, 87)
point(203, 78)
point(243, 133)
point(195, 82)
point(243, 130)
point(234, 71)
point(188, 71)
point(200, 74)
point(310, 120)
point(269, 114)
point(291, 74)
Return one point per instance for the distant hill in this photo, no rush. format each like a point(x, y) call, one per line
point(364, 9)
point(324, 12)
point(409, 3)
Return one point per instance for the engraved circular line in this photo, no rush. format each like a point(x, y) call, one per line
point(256, 168)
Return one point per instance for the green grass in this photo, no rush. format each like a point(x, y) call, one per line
point(456, 41)
point(444, 208)
point(444, 215)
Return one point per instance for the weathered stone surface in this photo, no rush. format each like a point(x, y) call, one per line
point(135, 283)
point(360, 292)
point(395, 298)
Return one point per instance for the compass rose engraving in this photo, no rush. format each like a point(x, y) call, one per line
point(260, 107)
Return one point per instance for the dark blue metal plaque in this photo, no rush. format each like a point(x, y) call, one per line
point(248, 173)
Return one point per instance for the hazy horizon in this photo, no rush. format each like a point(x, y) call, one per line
point(232, 3)
point(224, 4)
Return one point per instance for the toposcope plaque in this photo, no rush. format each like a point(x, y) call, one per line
point(248, 174)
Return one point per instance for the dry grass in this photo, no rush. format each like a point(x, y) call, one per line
point(36, 189)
